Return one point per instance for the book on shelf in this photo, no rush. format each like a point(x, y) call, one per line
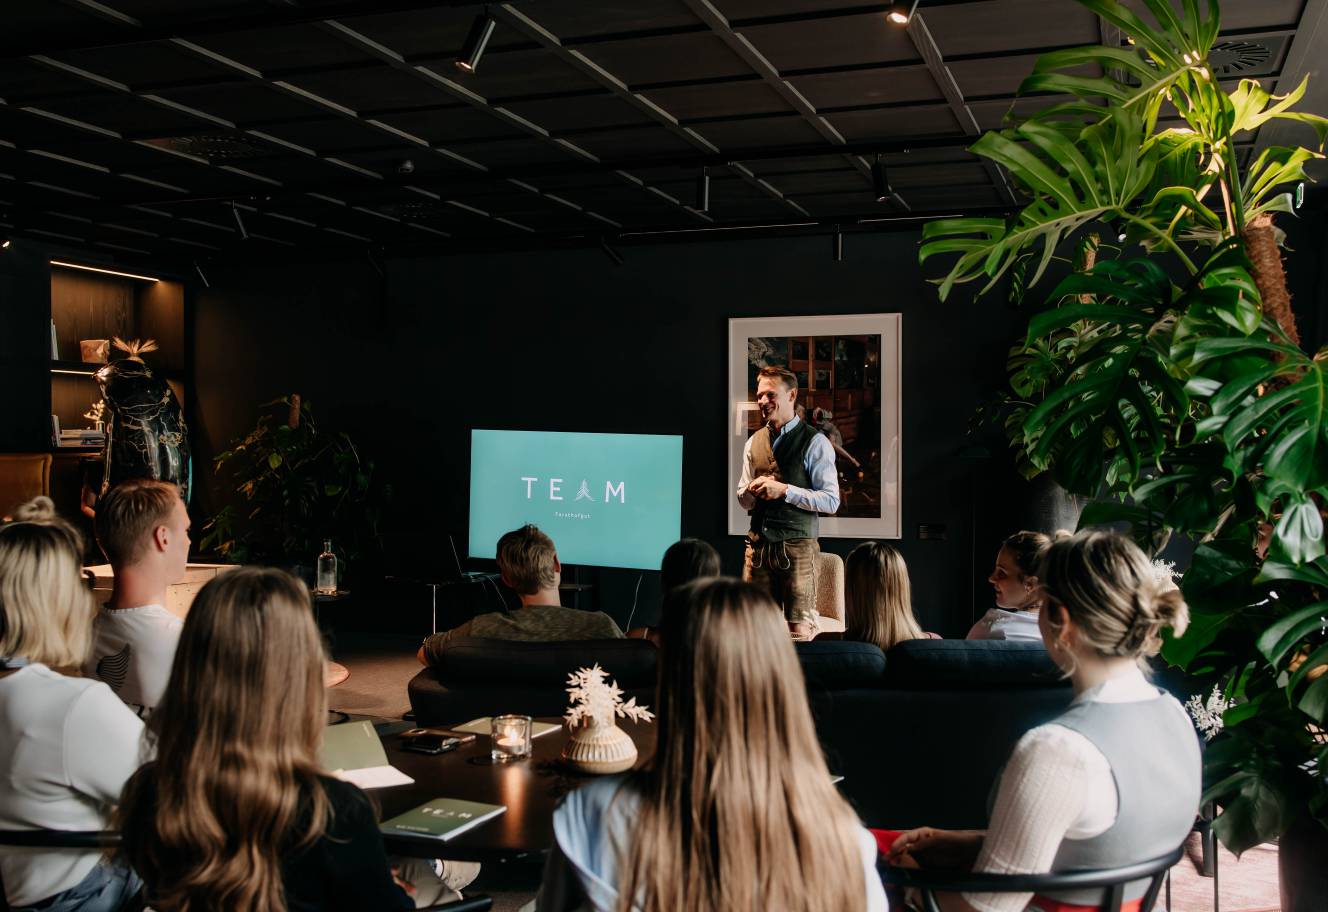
point(441, 818)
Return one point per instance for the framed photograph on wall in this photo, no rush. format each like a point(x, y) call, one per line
point(854, 400)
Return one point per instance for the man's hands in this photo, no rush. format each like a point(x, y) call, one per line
point(929, 847)
point(767, 487)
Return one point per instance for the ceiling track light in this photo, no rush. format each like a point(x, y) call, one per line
point(838, 244)
point(880, 181)
point(901, 11)
point(235, 211)
point(199, 270)
point(703, 191)
point(478, 39)
point(5, 242)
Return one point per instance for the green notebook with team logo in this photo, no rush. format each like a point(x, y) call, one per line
point(442, 818)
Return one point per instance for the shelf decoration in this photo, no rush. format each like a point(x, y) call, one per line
point(146, 435)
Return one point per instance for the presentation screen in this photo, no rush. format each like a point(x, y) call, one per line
point(606, 500)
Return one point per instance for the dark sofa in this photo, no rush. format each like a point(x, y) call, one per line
point(920, 734)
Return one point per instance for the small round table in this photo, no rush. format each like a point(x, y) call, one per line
point(334, 673)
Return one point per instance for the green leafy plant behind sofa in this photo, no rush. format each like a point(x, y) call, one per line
point(1171, 385)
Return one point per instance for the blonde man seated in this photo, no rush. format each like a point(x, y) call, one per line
point(529, 564)
point(143, 527)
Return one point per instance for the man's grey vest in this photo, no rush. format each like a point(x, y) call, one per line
point(776, 520)
point(1154, 757)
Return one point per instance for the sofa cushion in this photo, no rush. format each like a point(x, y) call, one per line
point(970, 665)
point(474, 660)
point(838, 664)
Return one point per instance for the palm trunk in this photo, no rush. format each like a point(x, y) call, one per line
point(1261, 247)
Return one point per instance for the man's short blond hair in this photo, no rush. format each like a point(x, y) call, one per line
point(128, 513)
point(782, 374)
point(528, 560)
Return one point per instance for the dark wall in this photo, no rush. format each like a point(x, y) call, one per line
point(566, 340)
point(411, 360)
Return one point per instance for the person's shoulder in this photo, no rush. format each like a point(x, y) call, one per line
point(594, 800)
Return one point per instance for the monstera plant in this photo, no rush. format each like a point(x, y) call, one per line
point(1168, 381)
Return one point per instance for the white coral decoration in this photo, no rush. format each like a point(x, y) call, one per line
point(1208, 715)
point(1164, 571)
point(595, 697)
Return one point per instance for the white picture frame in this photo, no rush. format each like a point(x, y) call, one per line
point(750, 336)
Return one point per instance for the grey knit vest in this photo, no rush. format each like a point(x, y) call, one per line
point(1154, 757)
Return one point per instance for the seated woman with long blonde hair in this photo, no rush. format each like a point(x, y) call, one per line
point(736, 809)
point(878, 599)
point(235, 814)
point(67, 744)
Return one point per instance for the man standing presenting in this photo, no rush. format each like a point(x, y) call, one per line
point(788, 478)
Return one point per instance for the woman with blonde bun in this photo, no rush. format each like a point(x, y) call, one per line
point(1116, 778)
point(67, 744)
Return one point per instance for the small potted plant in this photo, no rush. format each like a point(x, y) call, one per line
point(596, 744)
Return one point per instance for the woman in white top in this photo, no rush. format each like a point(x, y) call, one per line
point(736, 809)
point(1018, 596)
point(67, 744)
point(1116, 778)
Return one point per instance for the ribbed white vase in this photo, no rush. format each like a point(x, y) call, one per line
point(599, 749)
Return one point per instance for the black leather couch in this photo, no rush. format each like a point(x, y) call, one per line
point(920, 734)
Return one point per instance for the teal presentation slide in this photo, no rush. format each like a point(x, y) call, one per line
point(606, 500)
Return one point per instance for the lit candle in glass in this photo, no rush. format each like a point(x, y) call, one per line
point(511, 738)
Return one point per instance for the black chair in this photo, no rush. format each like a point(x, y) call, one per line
point(1112, 882)
point(69, 839)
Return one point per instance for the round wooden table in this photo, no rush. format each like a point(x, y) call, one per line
point(529, 789)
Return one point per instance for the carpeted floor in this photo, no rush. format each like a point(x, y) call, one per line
point(381, 666)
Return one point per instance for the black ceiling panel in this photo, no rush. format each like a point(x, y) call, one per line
point(144, 136)
point(885, 85)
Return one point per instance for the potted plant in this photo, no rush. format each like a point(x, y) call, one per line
point(595, 743)
point(296, 485)
point(1169, 383)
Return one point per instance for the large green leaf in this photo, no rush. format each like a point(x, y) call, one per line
point(1288, 631)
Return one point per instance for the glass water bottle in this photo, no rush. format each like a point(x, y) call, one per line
point(327, 570)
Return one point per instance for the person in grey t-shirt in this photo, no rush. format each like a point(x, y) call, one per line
point(529, 564)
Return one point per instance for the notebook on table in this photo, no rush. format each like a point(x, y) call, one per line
point(441, 818)
point(484, 726)
point(354, 753)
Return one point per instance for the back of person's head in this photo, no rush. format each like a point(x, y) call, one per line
point(1027, 548)
point(685, 560)
point(1111, 591)
point(46, 609)
point(878, 599)
point(234, 785)
point(528, 560)
point(128, 515)
point(737, 804)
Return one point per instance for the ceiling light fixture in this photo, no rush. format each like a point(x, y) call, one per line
point(235, 211)
point(4, 243)
point(478, 39)
point(901, 11)
point(126, 275)
point(703, 191)
point(880, 180)
point(838, 245)
point(199, 270)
